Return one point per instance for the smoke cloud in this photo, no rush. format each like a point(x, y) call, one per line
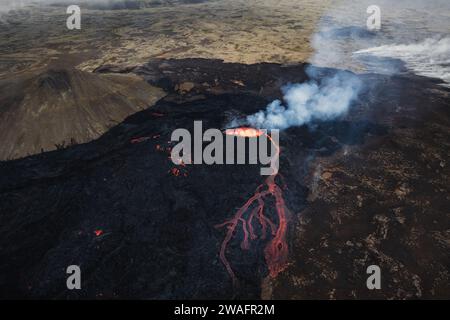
point(315, 100)
point(430, 58)
point(414, 31)
point(343, 31)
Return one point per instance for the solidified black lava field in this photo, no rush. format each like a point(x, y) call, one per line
point(114, 206)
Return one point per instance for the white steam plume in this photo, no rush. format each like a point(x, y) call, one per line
point(430, 58)
point(424, 25)
point(309, 101)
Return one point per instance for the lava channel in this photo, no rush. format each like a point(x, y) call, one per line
point(276, 251)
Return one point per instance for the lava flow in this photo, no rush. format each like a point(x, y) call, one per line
point(276, 251)
point(244, 132)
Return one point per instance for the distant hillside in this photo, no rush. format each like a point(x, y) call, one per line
point(59, 107)
point(130, 4)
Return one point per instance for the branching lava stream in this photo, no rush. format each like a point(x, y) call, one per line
point(276, 251)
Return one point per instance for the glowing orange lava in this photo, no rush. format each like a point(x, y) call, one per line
point(276, 251)
point(139, 140)
point(245, 132)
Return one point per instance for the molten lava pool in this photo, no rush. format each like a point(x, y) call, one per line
point(245, 132)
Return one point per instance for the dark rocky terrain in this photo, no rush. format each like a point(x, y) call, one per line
point(369, 188)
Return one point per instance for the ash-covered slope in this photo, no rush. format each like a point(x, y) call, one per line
point(59, 106)
point(115, 207)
